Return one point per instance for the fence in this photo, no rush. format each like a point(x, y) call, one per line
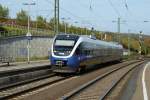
point(16, 47)
point(14, 33)
point(16, 30)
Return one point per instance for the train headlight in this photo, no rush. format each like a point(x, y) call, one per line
point(68, 52)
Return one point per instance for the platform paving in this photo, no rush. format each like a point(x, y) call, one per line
point(23, 65)
point(140, 89)
point(147, 81)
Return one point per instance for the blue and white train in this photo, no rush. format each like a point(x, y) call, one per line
point(74, 53)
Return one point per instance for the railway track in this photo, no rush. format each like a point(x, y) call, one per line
point(29, 85)
point(7, 72)
point(16, 76)
point(98, 89)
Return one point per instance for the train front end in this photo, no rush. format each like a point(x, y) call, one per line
point(63, 59)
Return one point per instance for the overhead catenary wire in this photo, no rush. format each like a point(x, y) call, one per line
point(131, 15)
point(72, 14)
point(91, 9)
point(101, 19)
point(115, 9)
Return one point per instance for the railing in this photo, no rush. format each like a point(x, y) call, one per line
point(4, 34)
point(16, 30)
point(6, 60)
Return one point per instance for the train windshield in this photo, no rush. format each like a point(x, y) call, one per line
point(64, 44)
point(63, 47)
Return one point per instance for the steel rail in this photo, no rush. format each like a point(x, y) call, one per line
point(86, 85)
point(29, 86)
point(102, 97)
point(27, 80)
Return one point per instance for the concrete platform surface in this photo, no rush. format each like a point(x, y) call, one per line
point(143, 84)
point(23, 65)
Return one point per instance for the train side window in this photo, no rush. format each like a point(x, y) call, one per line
point(86, 52)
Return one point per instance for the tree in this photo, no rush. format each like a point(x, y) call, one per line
point(51, 23)
point(22, 18)
point(4, 13)
point(41, 22)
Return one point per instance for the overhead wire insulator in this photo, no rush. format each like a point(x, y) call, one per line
point(126, 5)
point(91, 5)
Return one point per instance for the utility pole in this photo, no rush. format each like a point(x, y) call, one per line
point(140, 41)
point(119, 22)
point(129, 42)
point(119, 29)
point(56, 17)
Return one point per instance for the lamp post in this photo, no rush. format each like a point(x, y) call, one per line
point(28, 35)
point(28, 4)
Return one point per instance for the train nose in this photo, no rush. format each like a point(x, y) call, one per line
point(58, 61)
point(73, 61)
point(61, 62)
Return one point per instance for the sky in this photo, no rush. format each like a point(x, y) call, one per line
point(100, 14)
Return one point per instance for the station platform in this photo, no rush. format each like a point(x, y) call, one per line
point(139, 84)
point(142, 91)
point(23, 65)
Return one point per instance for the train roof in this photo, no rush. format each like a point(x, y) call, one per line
point(99, 42)
point(92, 39)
